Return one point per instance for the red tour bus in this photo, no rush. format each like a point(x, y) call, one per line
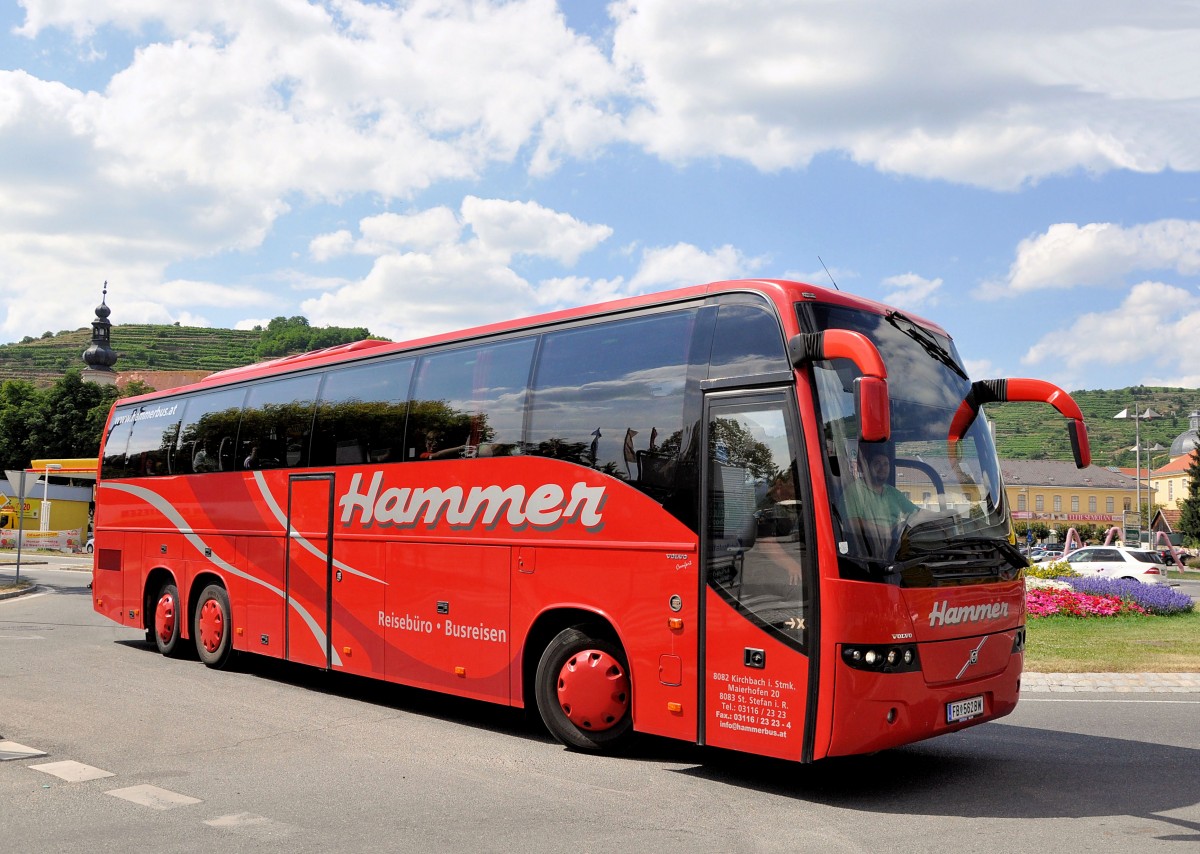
point(645, 515)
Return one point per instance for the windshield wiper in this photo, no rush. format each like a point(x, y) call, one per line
point(967, 552)
point(925, 338)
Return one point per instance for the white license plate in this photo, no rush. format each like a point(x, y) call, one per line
point(964, 710)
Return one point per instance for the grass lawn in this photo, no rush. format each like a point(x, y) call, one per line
point(1114, 644)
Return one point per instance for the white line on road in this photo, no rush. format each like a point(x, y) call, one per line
point(1081, 700)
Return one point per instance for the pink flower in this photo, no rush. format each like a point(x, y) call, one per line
point(1045, 602)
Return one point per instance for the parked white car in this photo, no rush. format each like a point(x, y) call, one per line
point(1115, 562)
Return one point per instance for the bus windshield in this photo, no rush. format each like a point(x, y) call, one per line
point(916, 510)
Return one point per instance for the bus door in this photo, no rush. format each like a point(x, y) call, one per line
point(308, 569)
point(759, 577)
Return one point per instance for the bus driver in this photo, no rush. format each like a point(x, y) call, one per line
point(877, 508)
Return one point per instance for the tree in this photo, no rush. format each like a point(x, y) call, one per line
point(1189, 517)
point(287, 335)
point(72, 418)
point(20, 409)
point(65, 420)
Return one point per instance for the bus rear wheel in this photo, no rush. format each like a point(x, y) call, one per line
point(212, 627)
point(583, 692)
point(166, 629)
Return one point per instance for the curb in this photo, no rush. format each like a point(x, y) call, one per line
point(1120, 683)
point(13, 594)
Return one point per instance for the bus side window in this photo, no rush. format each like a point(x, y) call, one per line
point(209, 430)
point(361, 413)
point(276, 423)
point(610, 396)
point(748, 340)
point(116, 443)
point(151, 437)
point(470, 402)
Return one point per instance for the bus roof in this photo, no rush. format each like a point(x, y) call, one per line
point(781, 290)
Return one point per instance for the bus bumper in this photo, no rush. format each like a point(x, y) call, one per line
point(874, 711)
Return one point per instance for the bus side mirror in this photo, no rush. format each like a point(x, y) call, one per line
point(873, 409)
point(1032, 391)
point(871, 403)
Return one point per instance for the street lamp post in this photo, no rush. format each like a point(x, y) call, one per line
point(1149, 491)
point(1137, 417)
point(45, 512)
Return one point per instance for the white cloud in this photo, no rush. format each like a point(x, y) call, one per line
point(995, 95)
point(430, 275)
point(332, 245)
point(414, 294)
point(685, 264)
point(571, 291)
point(911, 291)
point(1069, 255)
point(456, 281)
point(982, 369)
point(527, 228)
point(1154, 325)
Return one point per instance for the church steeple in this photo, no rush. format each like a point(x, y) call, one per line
point(100, 357)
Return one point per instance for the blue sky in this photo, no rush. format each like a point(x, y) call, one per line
point(1026, 174)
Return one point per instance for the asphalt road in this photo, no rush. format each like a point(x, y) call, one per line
point(268, 757)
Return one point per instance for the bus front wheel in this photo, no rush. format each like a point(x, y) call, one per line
point(583, 691)
point(213, 626)
point(166, 630)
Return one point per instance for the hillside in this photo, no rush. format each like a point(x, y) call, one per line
point(1024, 431)
point(160, 348)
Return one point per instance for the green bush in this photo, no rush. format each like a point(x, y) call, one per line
point(1052, 569)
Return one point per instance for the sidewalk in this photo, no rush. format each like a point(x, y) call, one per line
point(1121, 683)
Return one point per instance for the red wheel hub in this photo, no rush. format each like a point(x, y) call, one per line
point(593, 690)
point(164, 617)
point(212, 625)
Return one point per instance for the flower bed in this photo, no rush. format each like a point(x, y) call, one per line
point(1152, 598)
point(1047, 601)
point(1101, 597)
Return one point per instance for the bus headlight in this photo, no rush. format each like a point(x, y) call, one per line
point(901, 658)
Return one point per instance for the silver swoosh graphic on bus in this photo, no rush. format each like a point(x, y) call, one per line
point(281, 518)
point(165, 507)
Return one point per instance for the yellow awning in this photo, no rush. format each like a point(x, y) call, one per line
point(80, 468)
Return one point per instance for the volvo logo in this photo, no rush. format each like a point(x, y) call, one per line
point(972, 659)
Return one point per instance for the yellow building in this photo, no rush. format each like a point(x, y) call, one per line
point(58, 498)
point(1056, 494)
point(1169, 483)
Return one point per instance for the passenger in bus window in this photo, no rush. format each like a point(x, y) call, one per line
point(252, 461)
point(875, 506)
point(200, 460)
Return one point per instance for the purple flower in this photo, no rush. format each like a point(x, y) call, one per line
point(1154, 598)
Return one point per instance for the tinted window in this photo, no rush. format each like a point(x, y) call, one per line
point(747, 341)
point(152, 438)
point(141, 438)
point(117, 441)
point(469, 402)
point(277, 423)
point(610, 396)
point(208, 435)
point(361, 415)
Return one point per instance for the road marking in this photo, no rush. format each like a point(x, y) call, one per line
point(153, 796)
point(72, 771)
point(1082, 700)
point(252, 825)
point(10, 750)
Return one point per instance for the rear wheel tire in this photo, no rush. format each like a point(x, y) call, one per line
point(212, 627)
point(168, 620)
point(583, 691)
